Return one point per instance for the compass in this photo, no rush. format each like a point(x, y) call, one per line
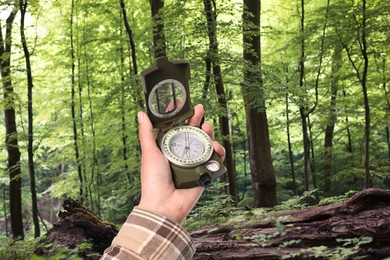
point(188, 149)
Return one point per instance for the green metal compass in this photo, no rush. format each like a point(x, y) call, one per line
point(188, 149)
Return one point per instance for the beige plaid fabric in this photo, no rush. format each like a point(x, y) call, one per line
point(146, 235)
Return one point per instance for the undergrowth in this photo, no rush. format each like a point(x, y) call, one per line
point(217, 210)
point(16, 249)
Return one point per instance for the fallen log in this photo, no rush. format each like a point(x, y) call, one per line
point(78, 225)
point(359, 226)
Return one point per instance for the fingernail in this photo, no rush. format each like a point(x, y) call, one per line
point(140, 116)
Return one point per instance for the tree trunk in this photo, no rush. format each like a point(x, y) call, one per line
point(77, 225)
point(30, 151)
point(129, 33)
point(349, 145)
point(331, 121)
point(290, 152)
point(263, 175)
point(302, 107)
point(368, 181)
point(122, 106)
point(133, 68)
point(11, 137)
point(95, 163)
point(224, 126)
point(306, 149)
point(386, 94)
point(82, 146)
point(357, 228)
point(207, 80)
point(132, 50)
point(312, 157)
point(160, 49)
point(5, 210)
point(362, 77)
point(73, 107)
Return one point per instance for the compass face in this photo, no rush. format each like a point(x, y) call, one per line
point(187, 146)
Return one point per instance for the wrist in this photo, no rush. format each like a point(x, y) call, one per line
point(175, 215)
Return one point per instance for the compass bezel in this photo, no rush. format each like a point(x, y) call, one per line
point(186, 163)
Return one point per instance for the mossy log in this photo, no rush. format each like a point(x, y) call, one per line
point(359, 226)
point(78, 225)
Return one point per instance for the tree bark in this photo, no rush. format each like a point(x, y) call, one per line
point(328, 228)
point(224, 126)
point(30, 151)
point(11, 137)
point(263, 174)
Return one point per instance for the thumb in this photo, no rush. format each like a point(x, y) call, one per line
point(145, 131)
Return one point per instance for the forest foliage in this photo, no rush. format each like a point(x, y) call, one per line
point(82, 59)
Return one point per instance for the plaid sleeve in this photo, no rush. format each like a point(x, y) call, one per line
point(146, 235)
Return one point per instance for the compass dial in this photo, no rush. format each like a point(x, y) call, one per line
point(186, 146)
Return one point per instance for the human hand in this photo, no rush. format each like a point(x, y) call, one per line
point(158, 192)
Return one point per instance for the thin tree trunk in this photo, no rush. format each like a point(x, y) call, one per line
point(160, 49)
point(210, 10)
point(83, 154)
point(368, 181)
point(362, 76)
point(5, 211)
point(11, 137)
point(331, 121)
point(304, 110)
point(306, 149)
point(95, 162)
point(386, 94)
point(133, 67)
point(30, 151)
point(73, 107)
point(349, 144)
point(302, 107)
point(313, 170)
point(290, 152)
point(263, 174)
point(129, 33)
point(206, 85)
point(132, 50)
point(122, 105)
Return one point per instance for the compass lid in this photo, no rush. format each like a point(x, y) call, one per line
point(166, 90)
